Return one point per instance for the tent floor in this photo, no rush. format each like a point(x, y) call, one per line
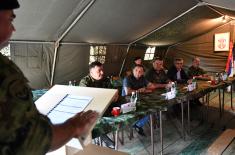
point(203, 133)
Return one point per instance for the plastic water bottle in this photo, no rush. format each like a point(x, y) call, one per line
point(136, 96)
point(194, 82)
point(74, 82)
point(70, 83)
point(132, 100)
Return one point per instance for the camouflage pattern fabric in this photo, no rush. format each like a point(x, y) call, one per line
point(23, 130)
point(151, 103)
point(88, 81)
point(156, 77)
point(192, 71)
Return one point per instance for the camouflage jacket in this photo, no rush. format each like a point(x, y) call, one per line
point(192, 71)
point(156, 77)
point(88, 81)
point(23, 131)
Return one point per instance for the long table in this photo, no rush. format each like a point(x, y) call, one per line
point(155, 102)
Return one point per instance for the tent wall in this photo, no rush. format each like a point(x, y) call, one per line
point(134, 51)
point(114, 57)
point(35, 62)
point(203, 47)
point(72, 63)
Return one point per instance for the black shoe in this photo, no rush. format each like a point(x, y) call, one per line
point(139, 130)
point(108, 142)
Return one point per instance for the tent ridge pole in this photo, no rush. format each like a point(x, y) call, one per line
point(124, 61)
point(76, 20)
point(57, 43)
point(54, 63)
point(145, 35)
point(214, 5)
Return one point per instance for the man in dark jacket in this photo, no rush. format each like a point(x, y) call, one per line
point(177, 73)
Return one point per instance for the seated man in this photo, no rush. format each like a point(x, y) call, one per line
point(96, 79)
point(195, 70)
point(137, 82)
point(156, 74)
point(137, 61)
point(177, 73)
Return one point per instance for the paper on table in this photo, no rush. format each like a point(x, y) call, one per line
point(67, 108)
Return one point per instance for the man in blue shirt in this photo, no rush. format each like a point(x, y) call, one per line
point(137, 82)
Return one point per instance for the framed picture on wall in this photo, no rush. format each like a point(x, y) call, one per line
point(221, 42)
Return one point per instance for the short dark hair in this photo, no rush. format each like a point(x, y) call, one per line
point(137, 66)
point(95, 63)
point(137, 58)
point(179, 59)
point(194, 58)
point(9, 4)
point(157, 58)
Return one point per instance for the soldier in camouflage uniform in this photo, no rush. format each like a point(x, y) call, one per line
point(23, 130)
point(195, 70)
point(96, 78)
point(157, 74)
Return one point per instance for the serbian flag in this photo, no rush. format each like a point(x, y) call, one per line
point(229, 64)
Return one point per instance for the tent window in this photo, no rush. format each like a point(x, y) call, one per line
point(6, 51)
point(149, 54)
point(97, 53)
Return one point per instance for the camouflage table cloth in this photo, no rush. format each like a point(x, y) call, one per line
point(149, 103)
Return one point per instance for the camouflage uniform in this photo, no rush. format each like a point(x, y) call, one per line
point(192, 71)
point(156, 77)
point(23, 130)
point(88, 81)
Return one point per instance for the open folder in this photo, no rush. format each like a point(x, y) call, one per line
point(63, 102)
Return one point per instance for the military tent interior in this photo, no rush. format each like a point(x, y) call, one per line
point(52, 41)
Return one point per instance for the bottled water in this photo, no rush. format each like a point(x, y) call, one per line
point(194, 83)
point(70, 83)
point(132, 100)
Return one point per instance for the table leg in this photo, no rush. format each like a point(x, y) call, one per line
point(161, 132)
point(131, 133)
point(207, 110)
point(152, 134)
point(223, 102)
point(116, 140)
point(182, 119)
point(231, 91)
point(220, 110)
point(100, 141)
point(189, 125)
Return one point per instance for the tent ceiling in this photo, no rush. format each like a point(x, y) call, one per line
point(114, 21)
point(122, 21)
point(107, 21)
point(229, 4)
point(198, 21)
point(41, 19)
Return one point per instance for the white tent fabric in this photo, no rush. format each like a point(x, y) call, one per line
point(109, 22)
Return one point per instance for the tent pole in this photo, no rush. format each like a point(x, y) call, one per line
point(76, 20)
point(214, 5)
point(145, 35)
point(57, 43)
point(124, 61)
point(54, 63)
